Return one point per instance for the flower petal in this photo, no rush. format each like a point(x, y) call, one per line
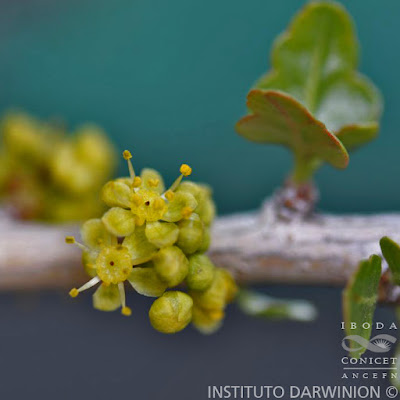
point(146, 282)
point(116, 194)
point(94, 234)
point(139, 247)
point(106, 298)
point(179, 202)
point(119, 222)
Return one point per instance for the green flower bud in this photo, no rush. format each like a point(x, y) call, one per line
point(116, 194)
point(152, 180)
point(162, 234)
point(203, 195)
point(94, 234)
point(190, 234)
point(139, 247)
point(146, 281)
point(205, 244)
point(207, 321)
point(171, 312)
point(222, 291)
point(93, 147)
point(171, 265)
point(201, 272)
point(106, 298)
point(178, 206)
point(119, 222)
point(23, 138)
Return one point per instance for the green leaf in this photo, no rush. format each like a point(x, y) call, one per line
point(354, 136)
point(315, 61)
point(359, 299)
point(279, 118)
point(260, 305)
point(391, 252)
point(314, 64)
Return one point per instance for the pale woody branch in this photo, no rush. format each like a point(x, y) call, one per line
point(256, 246)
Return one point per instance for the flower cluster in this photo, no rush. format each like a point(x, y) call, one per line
point(155, 239)
point(48, 175)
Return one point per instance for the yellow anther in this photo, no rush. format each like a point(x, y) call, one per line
point(137, 182)
point(139, 221)
point(158, 203)
point(153, 182)
point(70, 240)
point(126, 311)
point(137, 199)
point(127, 155)
point(169, 195)
point(186, 212)
point(185, 170)
point(74, 292)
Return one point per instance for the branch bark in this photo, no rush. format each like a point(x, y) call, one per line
point(258, 247)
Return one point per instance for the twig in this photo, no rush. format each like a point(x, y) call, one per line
point(258, 247)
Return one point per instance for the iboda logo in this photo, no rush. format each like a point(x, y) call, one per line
point(378, 344)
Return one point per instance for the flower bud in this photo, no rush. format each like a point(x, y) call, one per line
point(171, 265)
point(190, 234)
point(171, 312)
point(205, 244)
point(222, 291)
point(207, 321)
point(119, 222)
point(201, 272)
point(162, 234)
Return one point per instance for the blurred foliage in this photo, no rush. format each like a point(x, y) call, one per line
point(155, 240)
point(325, 99)
point(47, 174)
point(359, 300)
point(260, 305)
point(391, 252)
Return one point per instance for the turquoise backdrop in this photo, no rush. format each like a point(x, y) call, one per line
point(168, 79)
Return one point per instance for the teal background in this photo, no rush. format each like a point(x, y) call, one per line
point(168, 79)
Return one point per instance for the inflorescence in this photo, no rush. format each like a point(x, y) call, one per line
point(155, 239)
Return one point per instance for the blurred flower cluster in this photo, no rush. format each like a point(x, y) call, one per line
point(155, 239)
point(46, 174)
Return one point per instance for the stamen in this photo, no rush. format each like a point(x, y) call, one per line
point(137, 182)
point(125, 310)
point(185, 170)
point(169, 195)
point(94, 281)
point(154, 182)
point(137, 199)
point(158, 203)
point(71, 240)
point(186, 212)
point(127, 155)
